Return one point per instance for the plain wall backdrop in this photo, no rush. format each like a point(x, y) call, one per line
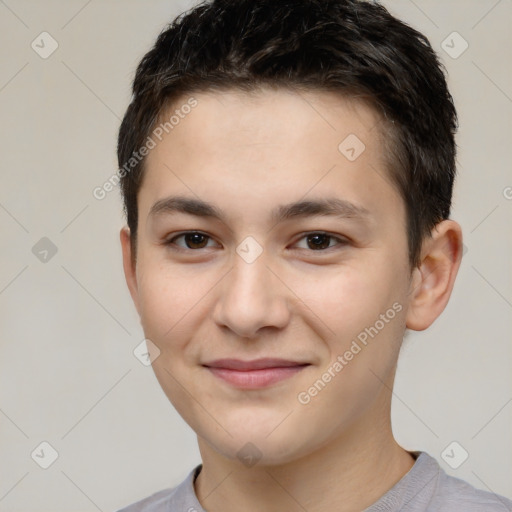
point(68, 327)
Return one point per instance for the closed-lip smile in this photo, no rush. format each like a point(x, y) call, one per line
point(256, 373)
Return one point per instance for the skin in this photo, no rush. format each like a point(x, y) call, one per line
point(248, 153)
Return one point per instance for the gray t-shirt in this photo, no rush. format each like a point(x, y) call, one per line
point(424, 488)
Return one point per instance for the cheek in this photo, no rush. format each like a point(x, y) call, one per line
point(347, 299)
point(166, 295)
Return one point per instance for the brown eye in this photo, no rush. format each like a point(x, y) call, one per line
point(318, 241)
point(193, 240)
point(321, 241)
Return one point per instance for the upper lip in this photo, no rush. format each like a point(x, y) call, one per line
point(255, 364)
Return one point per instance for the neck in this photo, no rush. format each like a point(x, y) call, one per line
point(350, 473)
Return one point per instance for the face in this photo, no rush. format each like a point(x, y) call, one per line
point(285, 256)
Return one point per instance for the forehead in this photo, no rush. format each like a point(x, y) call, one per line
point(271, 114)
point(267, 144)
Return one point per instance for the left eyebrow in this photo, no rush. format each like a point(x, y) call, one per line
point(334, 207)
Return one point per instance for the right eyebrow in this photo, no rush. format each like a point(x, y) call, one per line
point(190, 206)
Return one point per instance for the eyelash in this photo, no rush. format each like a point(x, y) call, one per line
point(170, 242)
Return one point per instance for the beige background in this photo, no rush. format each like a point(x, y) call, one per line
point(68, 327)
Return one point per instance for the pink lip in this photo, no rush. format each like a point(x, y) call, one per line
point(255, 374)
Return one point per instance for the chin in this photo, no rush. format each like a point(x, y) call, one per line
point(255, 446)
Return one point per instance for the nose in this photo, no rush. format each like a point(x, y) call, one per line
point(251, 298)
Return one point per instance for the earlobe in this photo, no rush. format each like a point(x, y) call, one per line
point(432, 282)
point(129, 265)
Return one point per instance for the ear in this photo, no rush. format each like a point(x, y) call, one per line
point(433, 280)
point(129, 266)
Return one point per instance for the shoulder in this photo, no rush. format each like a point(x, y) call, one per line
point(157, 502)
point(181, 498)
point(454, 494)
point(428, 488)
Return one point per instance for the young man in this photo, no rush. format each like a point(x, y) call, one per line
point(287, 170)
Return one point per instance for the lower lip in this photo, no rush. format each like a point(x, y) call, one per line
point(256, 379)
